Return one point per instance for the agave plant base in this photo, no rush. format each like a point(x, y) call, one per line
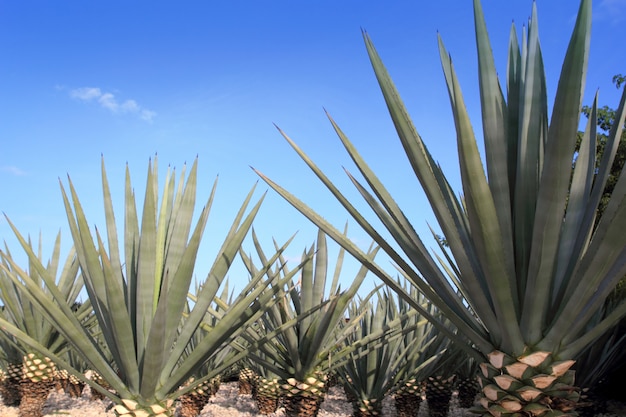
point(267, 404)
point(438, 395)
point(532, 385)
point(74, 389)
point(302, 405)
point(246, 381)
point(191, 405)
point(408, 399)
point(34, 396)
point(130, 408)
point(267, 395)
point(367, 408)
point(10, 392)
point(468, 389)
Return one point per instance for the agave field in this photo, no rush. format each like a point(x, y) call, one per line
point(520, 312)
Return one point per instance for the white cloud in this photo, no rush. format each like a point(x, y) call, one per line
point(13, 170)
point(108, 101)
point(130, 105)
point(85, 93)
point(147, 115)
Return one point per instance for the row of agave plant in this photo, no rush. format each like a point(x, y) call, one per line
point(374, 347)
point(522, 286)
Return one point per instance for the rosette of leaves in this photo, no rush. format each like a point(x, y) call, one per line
point(36, 373)
point(529, 269)
point(301, 332)
point(371, 371)
point(138, 289)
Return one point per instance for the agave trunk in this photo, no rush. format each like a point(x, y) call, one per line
point(303, 399)
point(131, 408)
point(367, 408)
point(528, 385)
point(467, 389)
point(268, 393)
point(302, 405)
point(438, 394)
point(408, 398)
point(75, 388)
point(36, 385)
point(10, 385)
point(34, 396)
point(246, 378)
point(61, 380)
point(192, 403)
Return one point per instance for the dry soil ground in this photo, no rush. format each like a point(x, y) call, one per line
point(228, 403)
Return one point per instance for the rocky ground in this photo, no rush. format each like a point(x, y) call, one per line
point(228, 403)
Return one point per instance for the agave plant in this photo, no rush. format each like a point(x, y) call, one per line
point(139, 299)
point(36, 373)
point(527, 269)
point(428, 354)
point(302, 353)
point(371, 371)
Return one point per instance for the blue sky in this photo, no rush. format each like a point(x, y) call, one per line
point(129, 80)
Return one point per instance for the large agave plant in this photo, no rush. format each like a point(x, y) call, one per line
point(526, 268)
point(139, 296)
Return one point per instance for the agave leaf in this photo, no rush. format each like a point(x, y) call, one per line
point(146, 264)
point(495, 127)
point(239, 313)
point(554, 185)
point(121, 329)
point(599, 183)
point(529, 139)
point(214, 278)
point(486, 233)
point(131, 243)
point(478, 338)
point(582, 182)
point(111, 228)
